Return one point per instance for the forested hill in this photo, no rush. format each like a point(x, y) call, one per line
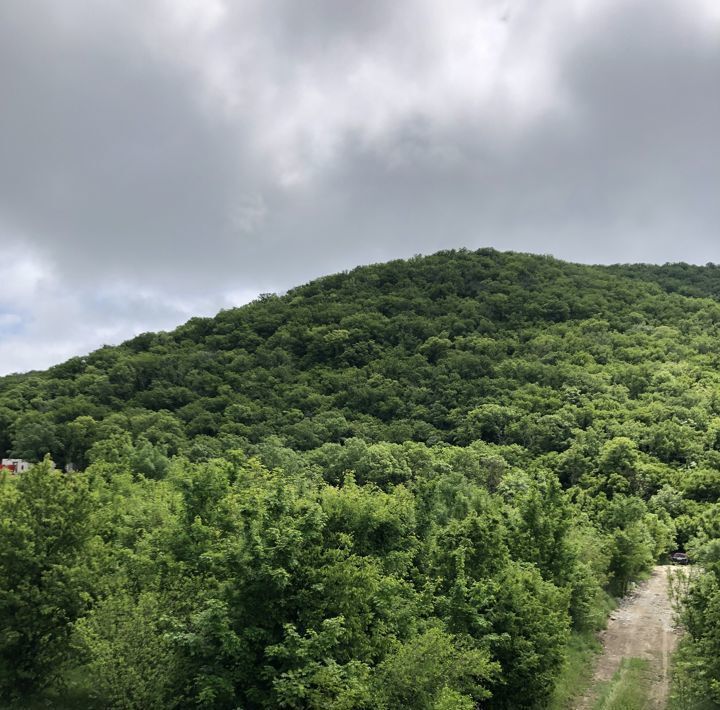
point(412, 485)
point(685, 279)
point(409, 350)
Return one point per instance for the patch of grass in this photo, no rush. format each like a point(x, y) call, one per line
point(576, 673)
point(643, 576)
point(581, 651)
point(604, 605)
point(628, 690)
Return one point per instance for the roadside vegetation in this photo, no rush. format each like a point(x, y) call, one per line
point(628, 690)
point(696, 667)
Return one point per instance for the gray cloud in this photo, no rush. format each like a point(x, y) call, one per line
point(162, 159)
point(110, 164)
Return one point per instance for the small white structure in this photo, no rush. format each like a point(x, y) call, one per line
point(15, 465)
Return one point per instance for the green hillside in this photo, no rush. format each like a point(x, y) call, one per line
point(407, 485)
point(392, 352)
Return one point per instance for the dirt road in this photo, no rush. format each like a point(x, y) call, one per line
point(641, 627)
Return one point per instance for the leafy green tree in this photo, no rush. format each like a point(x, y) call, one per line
point(44, 580)
point(699, 658)
point(79, 435)
point(530, 628)
point(432, 668)
point(313, 678)
point(632, 552)
point(130, 656)
point(35, 435)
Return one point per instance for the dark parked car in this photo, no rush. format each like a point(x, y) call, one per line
point(679, 558)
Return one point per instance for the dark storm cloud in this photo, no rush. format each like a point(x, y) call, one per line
point(161, 159)
point(628, 171)
point(109, 161)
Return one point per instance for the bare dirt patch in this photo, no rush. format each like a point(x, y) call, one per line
point(641, 627)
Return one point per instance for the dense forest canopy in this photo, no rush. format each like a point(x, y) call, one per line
point(402, 486)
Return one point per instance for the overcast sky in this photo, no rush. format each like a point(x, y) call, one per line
point(161, 159)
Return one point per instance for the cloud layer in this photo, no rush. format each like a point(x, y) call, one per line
point(166, 158)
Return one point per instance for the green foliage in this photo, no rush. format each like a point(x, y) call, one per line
point(35, 436)
point(399, 486)
point(430, 670)
point(130, 656)
point(529, 619)
point(460, 346)
point(44, 584)
point(313, 678)
point(628, 688)
point(697, 668)
point(576, 673)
